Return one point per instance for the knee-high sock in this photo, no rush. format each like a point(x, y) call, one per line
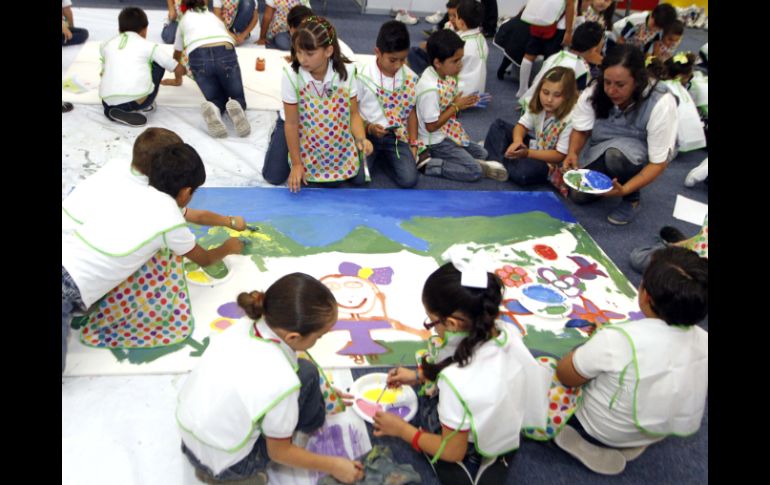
point(524, 72)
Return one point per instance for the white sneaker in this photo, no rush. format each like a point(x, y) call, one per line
point(698, 174)
point(493, 170)
point(234, 110)
point(435, 18)
point(404, 17)
point(213, 120)
point(605, 461)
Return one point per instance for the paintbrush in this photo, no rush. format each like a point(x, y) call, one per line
point(381, 394)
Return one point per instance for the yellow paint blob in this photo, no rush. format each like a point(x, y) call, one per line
point(198, 277)
point(390, 396)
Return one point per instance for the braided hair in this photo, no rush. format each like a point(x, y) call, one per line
point(316, 33)
point(443, 294)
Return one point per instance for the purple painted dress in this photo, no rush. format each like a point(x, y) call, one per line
point(361, 342)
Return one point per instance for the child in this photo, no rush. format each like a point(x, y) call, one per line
point(274, 32)
point(132, 69)
point(664, 48)
point(418, 56)
point(386, 91)
point(70, 35)
point(647, 379)
point(320, 104)
point(586, 48)
point(473, 76)
point(551, 25)
point(549, 117)
point(214, 65)
point(125, 230)
point(601, 12)
point(448, 150)
point(233, 427)
point(642, 29)
point(239, 16)
point(295, 17)
point(475, 354)
point(675, 73)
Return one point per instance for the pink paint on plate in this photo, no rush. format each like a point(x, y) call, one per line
point(368, 408)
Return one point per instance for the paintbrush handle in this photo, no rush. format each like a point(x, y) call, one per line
point(381, 394)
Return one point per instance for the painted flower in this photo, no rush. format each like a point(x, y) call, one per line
point(567, 284)
point(513, 276)
point(511, 308)
point(545, 251)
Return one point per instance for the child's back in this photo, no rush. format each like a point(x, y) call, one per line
point(473, 76)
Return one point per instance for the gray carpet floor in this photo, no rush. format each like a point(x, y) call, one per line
point(675, 460)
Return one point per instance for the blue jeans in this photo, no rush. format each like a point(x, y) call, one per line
point(71, 301)
point(244, 15)
point(78, 37)
point(168, 34)
point(522, 171)
point(218, 74)
point(397, 160)
point(276, 168)
point(454, 162)
point(418, 60)
point(312, 414)
point(615, 165)
point(281, 41)
point(157, 74)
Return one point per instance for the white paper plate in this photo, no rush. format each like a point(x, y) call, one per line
point(401, 401)
point(196, 277)
point(589, 181)
point(544, 300)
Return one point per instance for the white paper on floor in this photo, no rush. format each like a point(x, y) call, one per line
point(121, 430)
point(689, 210)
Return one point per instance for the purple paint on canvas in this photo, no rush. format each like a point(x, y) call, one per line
point(231, 310)
point(361, 342)
point(328, 441)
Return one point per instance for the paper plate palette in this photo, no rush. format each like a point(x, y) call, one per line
point(544, 300)
point(401, 401)
point(212, 275)
point(588, 181)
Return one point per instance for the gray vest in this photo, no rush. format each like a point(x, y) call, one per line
point(626, 132)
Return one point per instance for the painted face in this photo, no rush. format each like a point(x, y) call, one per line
point(452, 65)
point(601, 5)
point(452, 14)
point(354, 295)
point(619, 85)
point(315, 61)
point(551, 96)
point(671, 40)
point(391, 62)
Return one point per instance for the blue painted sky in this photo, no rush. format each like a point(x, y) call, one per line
point(317, 217)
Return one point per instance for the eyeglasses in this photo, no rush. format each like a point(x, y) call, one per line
point(428, 323)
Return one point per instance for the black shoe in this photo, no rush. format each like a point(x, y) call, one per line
point(671, 234)
point(127, 117)
point(66, 107)
point(504, 65)
point(495, 473)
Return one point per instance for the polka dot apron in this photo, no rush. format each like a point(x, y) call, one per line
point(547, 139)
point(452, 129)
point(396, 104)
point(562, 404)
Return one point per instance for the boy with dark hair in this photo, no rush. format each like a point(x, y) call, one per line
point(418, 57)
point(445, 148)
point(586, 48)
point(386, 101)
point(466, 21)
point(128, 88)
point(664, 48)
point(124, 231)
point(643, 29)
point(645, 379)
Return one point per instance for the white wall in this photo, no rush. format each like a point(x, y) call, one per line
point(505, 8)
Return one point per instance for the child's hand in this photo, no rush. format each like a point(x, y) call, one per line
point(401, 376)
point(347, 471)
point(65, 31)
point(368, 147)
point(517, 150)
point(617, 190)
point(388, 424)
point(261, 41)
point(233, 246)
point(347, 399)
point(296, 178)
point(377, 130)
point(240, 223)
point(570, 162)
point(465, 102)
point(287, 58)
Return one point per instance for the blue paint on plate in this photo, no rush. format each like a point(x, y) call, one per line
point(543, 294)
point(598, 180)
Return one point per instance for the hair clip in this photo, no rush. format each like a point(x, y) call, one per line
point(681, 58)
point(648, 61)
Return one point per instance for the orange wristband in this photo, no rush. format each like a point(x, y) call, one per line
point(416, 439)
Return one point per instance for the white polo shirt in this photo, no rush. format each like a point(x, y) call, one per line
point(197, 29)
point(289, 95)
point(661, 127)
point(428, 108)
point(473, 76)
point(368, 102)
point(534, 123)
point(563, 58)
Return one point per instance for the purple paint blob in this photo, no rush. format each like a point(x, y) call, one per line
point(543, 294)
point(400, 411)
point(231, 310)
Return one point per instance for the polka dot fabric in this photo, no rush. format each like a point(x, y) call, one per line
point(332, 400)
point(150, 309)
point(562, 403)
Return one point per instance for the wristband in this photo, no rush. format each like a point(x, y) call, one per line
point(457, 110)
point(416, 439)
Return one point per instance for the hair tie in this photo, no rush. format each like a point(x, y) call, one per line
point(681, 58)
point(473, 270)
point(648, 61)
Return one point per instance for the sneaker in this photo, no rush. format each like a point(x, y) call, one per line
point(427, 32)
point(404, 17)
point(149, 108)
point(631, 454)
point(494, 470)
point(422, 161)
point(493, 170)
point(213, 119)
point(624, 213)
point(66, 107)
point(698, 174)
point(605, 461)
point(435, 18)
point(127, 117)
point(234, 110)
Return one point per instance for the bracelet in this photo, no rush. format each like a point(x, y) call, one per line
point(232, 222)
point(457, 110)
point(416, 439)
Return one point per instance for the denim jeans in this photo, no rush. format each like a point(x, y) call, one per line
point(78, 37)
point(244, 15)
point(157, 74)
point(418, 60)
point(276, 168)
point(451, 161)
point(396, 160)
point(218, 74)
point(168, 34)
point(522, 171)
point(281, 41)
point(615, 165)
point(71, 301)
point(312, 414)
